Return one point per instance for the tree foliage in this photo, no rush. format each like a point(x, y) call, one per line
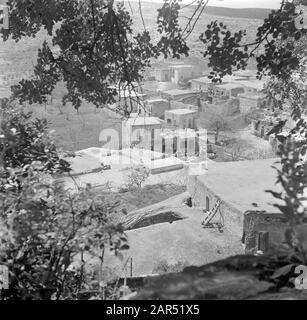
point(43, 228)
point(280, 51)
point(25, 140)
point(93, 48)
point(227, 51)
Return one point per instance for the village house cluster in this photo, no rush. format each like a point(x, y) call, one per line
point(167, 126)
point(165, 133)
point(186, 105)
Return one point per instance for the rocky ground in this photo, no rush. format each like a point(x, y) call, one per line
point(235, 278)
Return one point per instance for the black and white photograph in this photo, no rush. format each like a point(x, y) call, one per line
point(153, 150)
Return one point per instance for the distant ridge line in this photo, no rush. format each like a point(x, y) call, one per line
point(249, 13)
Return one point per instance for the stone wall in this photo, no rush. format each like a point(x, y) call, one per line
point(256, 222)
point(231, 217)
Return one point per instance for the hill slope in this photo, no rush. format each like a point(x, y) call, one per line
point(248, 13)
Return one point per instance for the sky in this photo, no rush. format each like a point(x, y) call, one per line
point(271, 4)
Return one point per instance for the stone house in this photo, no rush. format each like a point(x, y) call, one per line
point(261, 230)
point(139, 130)
point(155, 107)
point(202, 84)
point(163, 74)
point(230, 83)
point(133, 100)
point(176, 73)
point(251, 101)
point(228, 90)
point(178, 94)
point(181, 118)
point(180, 73)
point(246, 208)
point(180, 142)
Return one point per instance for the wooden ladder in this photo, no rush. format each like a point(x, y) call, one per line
point(211, 213)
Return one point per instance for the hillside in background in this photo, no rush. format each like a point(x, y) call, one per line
point(21, 57)
point(246, 13)
point(250, 13)
point(234, 19)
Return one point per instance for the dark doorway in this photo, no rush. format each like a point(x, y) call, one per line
point(263, 241)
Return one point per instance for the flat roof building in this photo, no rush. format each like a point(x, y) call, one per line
point(202, 84)
point(176, 73)
point(132, 99)
point(138, 131)
point(181, 118)
point(252, 85)
point(183, 72)
point(241, 187)
point(155, 107)
point(228, 90)
point(163, 74)
point(178, 94)
point(140, 121)
point(242, 183)
point(181, 111)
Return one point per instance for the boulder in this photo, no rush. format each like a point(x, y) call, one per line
point(235, 278)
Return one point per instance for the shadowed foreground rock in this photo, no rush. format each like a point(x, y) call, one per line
point(235, 278)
